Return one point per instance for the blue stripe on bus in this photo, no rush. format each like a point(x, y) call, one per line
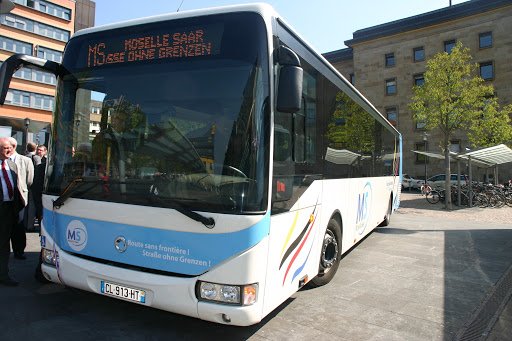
point(186, 253)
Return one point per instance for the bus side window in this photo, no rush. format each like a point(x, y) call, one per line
point(299, 134)
point(282, 144)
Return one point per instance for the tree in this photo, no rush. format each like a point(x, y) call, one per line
point(454, 97)
point(493, 126)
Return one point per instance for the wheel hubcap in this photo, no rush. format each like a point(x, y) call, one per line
point(329, 251)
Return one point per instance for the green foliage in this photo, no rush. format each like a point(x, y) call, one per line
point(351, 127)
point(451, 96)
point(492, 127)
point(454, 97)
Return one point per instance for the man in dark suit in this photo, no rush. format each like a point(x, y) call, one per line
point(10, 205)
point(37, 186)
point(37, 192)
point(30, 210)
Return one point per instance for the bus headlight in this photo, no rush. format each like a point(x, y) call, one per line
point(49, 257)
point(230, 294)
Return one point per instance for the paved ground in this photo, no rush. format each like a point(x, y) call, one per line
point(421, 278)
point(413, 204)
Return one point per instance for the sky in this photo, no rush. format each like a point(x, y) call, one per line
point(325, 24)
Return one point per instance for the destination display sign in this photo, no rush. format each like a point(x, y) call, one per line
point(182, 43)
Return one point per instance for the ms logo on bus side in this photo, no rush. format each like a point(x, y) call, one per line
point(76, 235)
point(364, 202)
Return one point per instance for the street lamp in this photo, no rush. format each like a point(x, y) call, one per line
point(425, 140)
point(25, 133)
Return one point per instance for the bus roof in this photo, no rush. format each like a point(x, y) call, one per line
point(265, 9)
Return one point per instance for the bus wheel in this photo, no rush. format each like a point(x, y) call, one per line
point(330, 255)
point(387, 217)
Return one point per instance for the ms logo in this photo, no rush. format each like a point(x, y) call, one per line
point(76, 235)
point(364, 201)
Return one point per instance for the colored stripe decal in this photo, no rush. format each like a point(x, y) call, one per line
point(298, 271)
point(290, 232)
point(295, 242)
point(298, 251)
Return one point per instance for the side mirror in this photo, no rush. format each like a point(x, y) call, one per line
point(289, 92)
point(14, 62)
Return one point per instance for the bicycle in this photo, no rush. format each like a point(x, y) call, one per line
point(436, 195)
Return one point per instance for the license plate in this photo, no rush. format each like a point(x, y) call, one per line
point(121, 291)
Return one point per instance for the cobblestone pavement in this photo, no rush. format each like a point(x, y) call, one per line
point(413, 203)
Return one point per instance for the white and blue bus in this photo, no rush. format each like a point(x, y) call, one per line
point(230, 164)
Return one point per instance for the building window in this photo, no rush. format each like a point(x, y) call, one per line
point(390, 59)
point(46, 7)
point(420, 146)
point(487, 70)
point(34, 27)
point(418, 54)
point(455, 146)
point(391, 86)
point(392, 115)
point(49, 54)
point(96, 110)
point(29, 99)
point(44, 77)
point(352, 79)
point(15, 46)
point(35, 75)
point(420, 125)
point(485, 40)
point(449, 45)
point(419, 80)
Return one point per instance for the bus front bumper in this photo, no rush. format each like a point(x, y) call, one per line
point(173, 294)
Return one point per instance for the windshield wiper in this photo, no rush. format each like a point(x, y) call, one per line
point(70, 189)
point(209, 222)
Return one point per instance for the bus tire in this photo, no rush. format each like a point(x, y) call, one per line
point(387, 217)
point(330, 254)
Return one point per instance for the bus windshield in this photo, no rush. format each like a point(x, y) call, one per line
point(166, 113)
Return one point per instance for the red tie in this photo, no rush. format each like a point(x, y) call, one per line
point(7, 181)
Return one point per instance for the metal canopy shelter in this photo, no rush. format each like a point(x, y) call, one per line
point(485, 157)
point(432, 155)
point(492, 156)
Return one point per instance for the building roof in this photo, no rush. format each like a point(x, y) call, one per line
point(339, 55)
point(439, 16)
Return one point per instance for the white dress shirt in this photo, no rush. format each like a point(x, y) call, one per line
point(5, 192)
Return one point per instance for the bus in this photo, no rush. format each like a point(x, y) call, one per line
point(232, 166)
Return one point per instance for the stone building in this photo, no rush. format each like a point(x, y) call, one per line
point(386, 60)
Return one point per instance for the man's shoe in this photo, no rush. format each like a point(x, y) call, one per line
point(9, 282)
point(20, 255)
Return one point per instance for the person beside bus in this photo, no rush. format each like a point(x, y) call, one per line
point(11, 202)
point(25, 169)
point(37, 186)
point(37, 191)
point(30, 210)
